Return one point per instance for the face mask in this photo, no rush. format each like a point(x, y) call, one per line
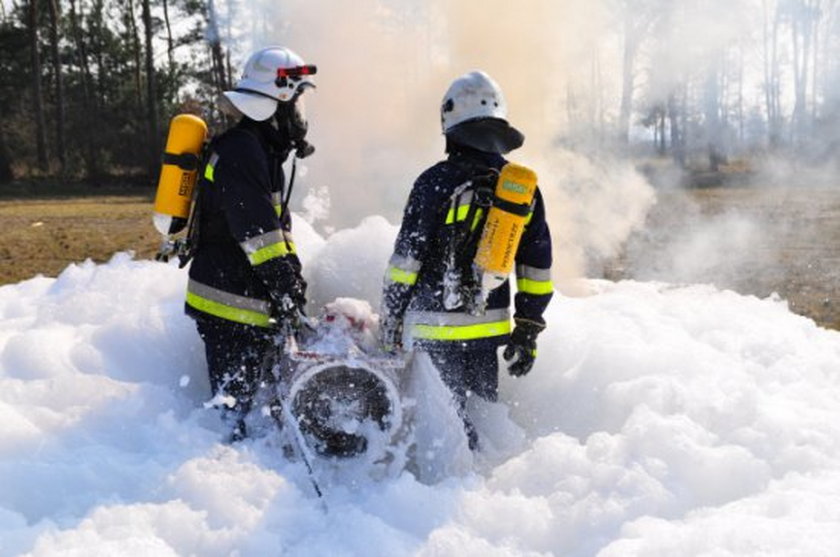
point(290, 119)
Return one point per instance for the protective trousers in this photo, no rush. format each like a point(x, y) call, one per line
point(467, 373)
point(236, 356)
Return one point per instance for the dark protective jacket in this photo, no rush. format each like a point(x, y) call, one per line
point(245, 258)
point(414, 281)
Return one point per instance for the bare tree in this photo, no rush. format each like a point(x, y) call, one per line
point(37, 94)
point(740, 98)
point(772, 90)
point(136, 51)
point(89, 105)
point(217, 56)
point(6, 174)
point(712, 100)
point(802, 15)
point(170, 43)
point(59, 85)
point(151, 90)
point(637, 18)
point(675, 115)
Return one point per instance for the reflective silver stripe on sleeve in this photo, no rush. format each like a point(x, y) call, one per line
point(228, 299)
point(455, 327)
point(532, 273)
point(405, 263)
point(455, 319)
point(255, 244)
point(277, 201)
point(402, 269)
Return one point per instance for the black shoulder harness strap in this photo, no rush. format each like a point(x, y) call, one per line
point(190, 244)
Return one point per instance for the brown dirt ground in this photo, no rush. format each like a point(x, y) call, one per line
point(793, 244)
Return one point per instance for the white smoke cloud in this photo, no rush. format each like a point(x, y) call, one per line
point(384, 66)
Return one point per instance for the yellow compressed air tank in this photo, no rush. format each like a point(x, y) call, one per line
point(505, 223)
point(178, 173)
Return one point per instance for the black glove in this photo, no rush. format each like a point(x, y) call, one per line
point(297, 291)
point(521, 351)
point(289, 296)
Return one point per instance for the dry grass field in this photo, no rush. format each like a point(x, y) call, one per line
point(43, 236)
point(754, 241)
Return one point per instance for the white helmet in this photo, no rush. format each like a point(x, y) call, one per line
point(474, 112)
point(473, 95)
point(273, 74)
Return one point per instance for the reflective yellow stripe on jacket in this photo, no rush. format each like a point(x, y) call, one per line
point(445, 326)
point(210, 168)
point(402, 270)
point(240, 309)
point(533, 280)
point(277, 201)
point(460, 207)
point(264, 247)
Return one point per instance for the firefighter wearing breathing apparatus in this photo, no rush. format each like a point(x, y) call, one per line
point(469, 220)
point(245, 282)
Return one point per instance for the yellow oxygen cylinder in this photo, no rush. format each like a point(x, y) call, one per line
point(178, 174)
point(506, 219)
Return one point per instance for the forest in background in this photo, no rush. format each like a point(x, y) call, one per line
point(87, 87)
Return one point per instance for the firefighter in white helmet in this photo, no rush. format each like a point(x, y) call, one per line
point(443, 218)
point(245, 280)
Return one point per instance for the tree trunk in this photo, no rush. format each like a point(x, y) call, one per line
point(59, 86)
point(170, 44)
point(799, 39)
point(6, 174)
point(151, 92)
point(627, 69)
point(38, 97)
point(771, 73)
point(89, 106)
point(661, 122)
point(674, 122)
point(712, 111)
point(815, 60)
point(768, 105)
point(136, 53)
point(97, 18)
point(217, 56)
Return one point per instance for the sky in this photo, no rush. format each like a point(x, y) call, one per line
point(658, 420)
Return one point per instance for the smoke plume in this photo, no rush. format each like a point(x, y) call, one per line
point(382, 70)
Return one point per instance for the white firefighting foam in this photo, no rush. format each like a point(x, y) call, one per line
point(658, 420)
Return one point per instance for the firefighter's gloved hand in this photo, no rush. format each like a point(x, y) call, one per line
point(297, 291)
point(289, 298)
point(391, 332)
point(521, 351)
